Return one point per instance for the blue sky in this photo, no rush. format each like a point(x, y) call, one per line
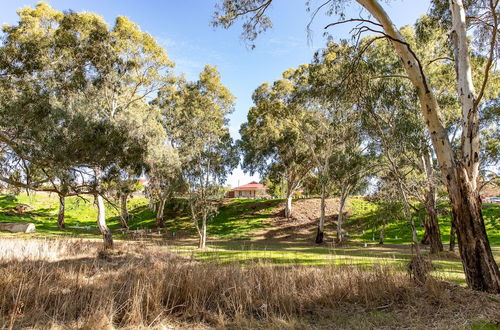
point(183, 28)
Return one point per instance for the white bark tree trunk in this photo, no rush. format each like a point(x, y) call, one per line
point(101, 223)
point(466, 93)
point(480, 268)
point(288, 206)
point(340, 216)
point(203, 233)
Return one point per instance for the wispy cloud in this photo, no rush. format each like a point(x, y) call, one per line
point(191, 57)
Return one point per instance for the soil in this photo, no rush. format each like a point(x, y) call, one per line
point(304, 221)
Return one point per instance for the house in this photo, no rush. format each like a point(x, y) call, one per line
point(143, 181)
point(249, 190)
point(490, 193)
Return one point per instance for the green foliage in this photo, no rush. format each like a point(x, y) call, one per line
point(271, 140)
point(195, 117)
point(80, 89)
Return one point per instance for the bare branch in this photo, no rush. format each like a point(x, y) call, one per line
point(491, 53)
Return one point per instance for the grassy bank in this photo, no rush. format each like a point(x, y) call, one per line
point(238, 219)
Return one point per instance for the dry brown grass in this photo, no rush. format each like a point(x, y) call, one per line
point(67, 284)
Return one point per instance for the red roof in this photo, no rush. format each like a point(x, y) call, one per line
point(251, 186)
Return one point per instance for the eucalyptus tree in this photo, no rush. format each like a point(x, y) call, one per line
point(271, 139)
point(396, 130)
point(459, 166)
point(335, 134)
point(165, 179)
point(196, 121)
point(80, 90)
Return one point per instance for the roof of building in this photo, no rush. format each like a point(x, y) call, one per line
point(251, 186)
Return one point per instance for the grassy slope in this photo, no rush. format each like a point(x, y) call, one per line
point(237, 219)
point(363, 214)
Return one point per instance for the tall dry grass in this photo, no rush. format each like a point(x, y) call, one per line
point(68, 284)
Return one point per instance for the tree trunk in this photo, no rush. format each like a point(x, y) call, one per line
point(414, 235)
point(60, 216)
point(425, 238)
point(432, 229)
point(101, 223)
point(452, 232)
point(340, 217)
point(480, 268)
point(382, 232)
point(321, 226)
point(288, 206)
point(409, 216)
point(124, 211)
point(203, 233)
point(160, 222)
point(432, 233)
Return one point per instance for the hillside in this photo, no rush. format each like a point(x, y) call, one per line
point(238, 219)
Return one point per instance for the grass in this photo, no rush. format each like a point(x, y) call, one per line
point(235, 220)
point(447, 266)
point(70, 284)
point(237, 233)
point(243, 279)
point(364, 220)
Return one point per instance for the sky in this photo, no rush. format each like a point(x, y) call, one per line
point(183, 28)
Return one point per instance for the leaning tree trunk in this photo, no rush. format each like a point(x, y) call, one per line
point(60, 216)
point(124, 216)
point(101, 223)
point(203, 233)
point(321, 226)
point(480, 268)
point(160, 222)
point(340, 216)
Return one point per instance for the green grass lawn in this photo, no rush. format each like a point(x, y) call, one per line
point(80, 214)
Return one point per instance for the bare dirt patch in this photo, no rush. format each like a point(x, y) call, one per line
point(304, 221)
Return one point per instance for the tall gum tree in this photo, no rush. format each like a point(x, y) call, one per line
point(459, 169)
point(395, 126)
point(329, 126)
point(271, 141)
point(195, 116)
point(81, 89)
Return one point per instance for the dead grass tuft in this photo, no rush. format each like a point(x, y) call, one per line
point(419, 269)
